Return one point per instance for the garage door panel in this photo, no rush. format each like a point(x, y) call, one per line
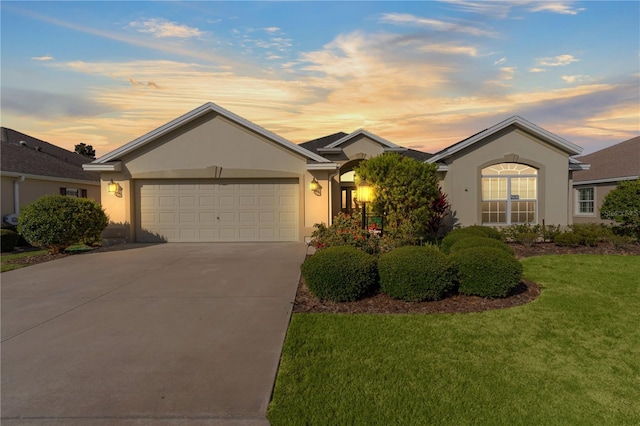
point(219, 211)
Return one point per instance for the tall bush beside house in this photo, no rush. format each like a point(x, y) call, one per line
point(622, 205)
point(486, 271)
point(56, 222)
point(345, 230)
point(416, 274)
point(406, 193)
point(340, 274)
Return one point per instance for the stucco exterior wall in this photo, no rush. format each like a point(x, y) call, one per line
point(462, 181)
point(600, 191)
point(32, 189)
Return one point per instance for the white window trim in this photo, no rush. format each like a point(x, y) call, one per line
point(508, 200)
point(576, 204)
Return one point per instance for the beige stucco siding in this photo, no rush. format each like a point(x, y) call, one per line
point(196, 149)
point(361, 148)
point(462, 181)
point(33, 188)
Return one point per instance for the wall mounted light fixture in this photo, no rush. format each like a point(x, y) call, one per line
point(112, 187)
point(314, 185)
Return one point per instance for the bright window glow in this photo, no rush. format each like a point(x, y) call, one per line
point(509, 193)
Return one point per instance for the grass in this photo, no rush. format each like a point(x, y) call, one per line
point(570, 357)
point(4, 257)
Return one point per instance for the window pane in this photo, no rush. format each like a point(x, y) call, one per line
point(494, 188)
point(523, 211)
point(524, 188)
point(494, 212)
point(509, 169)
point(348, 176)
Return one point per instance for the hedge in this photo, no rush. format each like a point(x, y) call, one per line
point(416, 274)
point(486, 271)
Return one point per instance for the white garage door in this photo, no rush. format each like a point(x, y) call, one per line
point(209, 211)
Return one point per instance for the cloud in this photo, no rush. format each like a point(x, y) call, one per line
point(48, 105)
point(272, 29)
point(42, 58)
point(556, 61)
point(433, 24)
point(576, 78)
point(451, 49)
point(500, 61)
point(162, 28)
point(536, 70)
point(561, 7)
point(502, 9)
point(150, 84)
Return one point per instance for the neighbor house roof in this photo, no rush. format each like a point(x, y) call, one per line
point(116, 154)
point(25, 155)
point(516, 121)
point(615, 163)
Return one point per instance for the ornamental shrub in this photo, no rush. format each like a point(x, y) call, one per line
point(591, 234)
point(340, 274)
point(622, 204)
point(415, 274)
point(485, 230)
point(473, 241)
point(567, 239)
point(346, 230)
point(458, 234)
point(56, 222)
point(8, 239)
point(486, 271)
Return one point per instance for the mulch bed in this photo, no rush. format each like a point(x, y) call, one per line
point(525, 292)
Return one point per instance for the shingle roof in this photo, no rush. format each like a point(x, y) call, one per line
point(322, 142)
point(617, 161)
point(37, 157)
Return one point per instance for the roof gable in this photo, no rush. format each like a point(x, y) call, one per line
point(517, 122)
point(389, 146)
point(199, 112)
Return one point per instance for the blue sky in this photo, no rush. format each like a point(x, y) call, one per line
point(421, 74)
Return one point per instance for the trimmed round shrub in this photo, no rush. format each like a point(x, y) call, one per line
point(8, 239)
point(458, 234)
point(485, 230)
point(486, 271)
point(567, 239)
point(56, 222)
point(474, 241)
point(340, 274)
point(415, 274)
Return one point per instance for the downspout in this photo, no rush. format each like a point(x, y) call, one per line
point(16, 194)
point(329, 204)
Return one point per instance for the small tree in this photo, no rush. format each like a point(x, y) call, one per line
point(56, 222)
point(622, 204)
point(406, 191)
point(86, 150)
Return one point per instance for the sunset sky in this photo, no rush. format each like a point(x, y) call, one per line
point(420, 74)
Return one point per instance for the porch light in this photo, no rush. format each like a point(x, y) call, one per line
point(365, 192)
point(365, 195)
point(314, 186)
point(112, 187)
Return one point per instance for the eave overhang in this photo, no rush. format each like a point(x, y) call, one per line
point(114, 166)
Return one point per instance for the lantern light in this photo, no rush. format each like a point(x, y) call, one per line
point(112, 187)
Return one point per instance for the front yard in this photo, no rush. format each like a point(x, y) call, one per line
point(570, 357)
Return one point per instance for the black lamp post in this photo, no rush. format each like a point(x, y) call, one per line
point(365, 195)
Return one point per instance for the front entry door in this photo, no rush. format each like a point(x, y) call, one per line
point(348, 204)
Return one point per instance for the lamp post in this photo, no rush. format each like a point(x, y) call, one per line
point(365, 195)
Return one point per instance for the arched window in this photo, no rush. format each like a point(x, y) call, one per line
point(509, 194)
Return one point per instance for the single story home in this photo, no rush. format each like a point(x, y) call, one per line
point(211, 175)
point(609, 166)
point(32, 168)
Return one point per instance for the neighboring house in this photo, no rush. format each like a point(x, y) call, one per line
point(608, 167)
point(211, 175)
point(32, 168)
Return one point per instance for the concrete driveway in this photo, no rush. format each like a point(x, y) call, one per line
point(164, 334)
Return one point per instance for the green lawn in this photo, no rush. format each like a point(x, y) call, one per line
point(4, 257)
point(572, 357)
